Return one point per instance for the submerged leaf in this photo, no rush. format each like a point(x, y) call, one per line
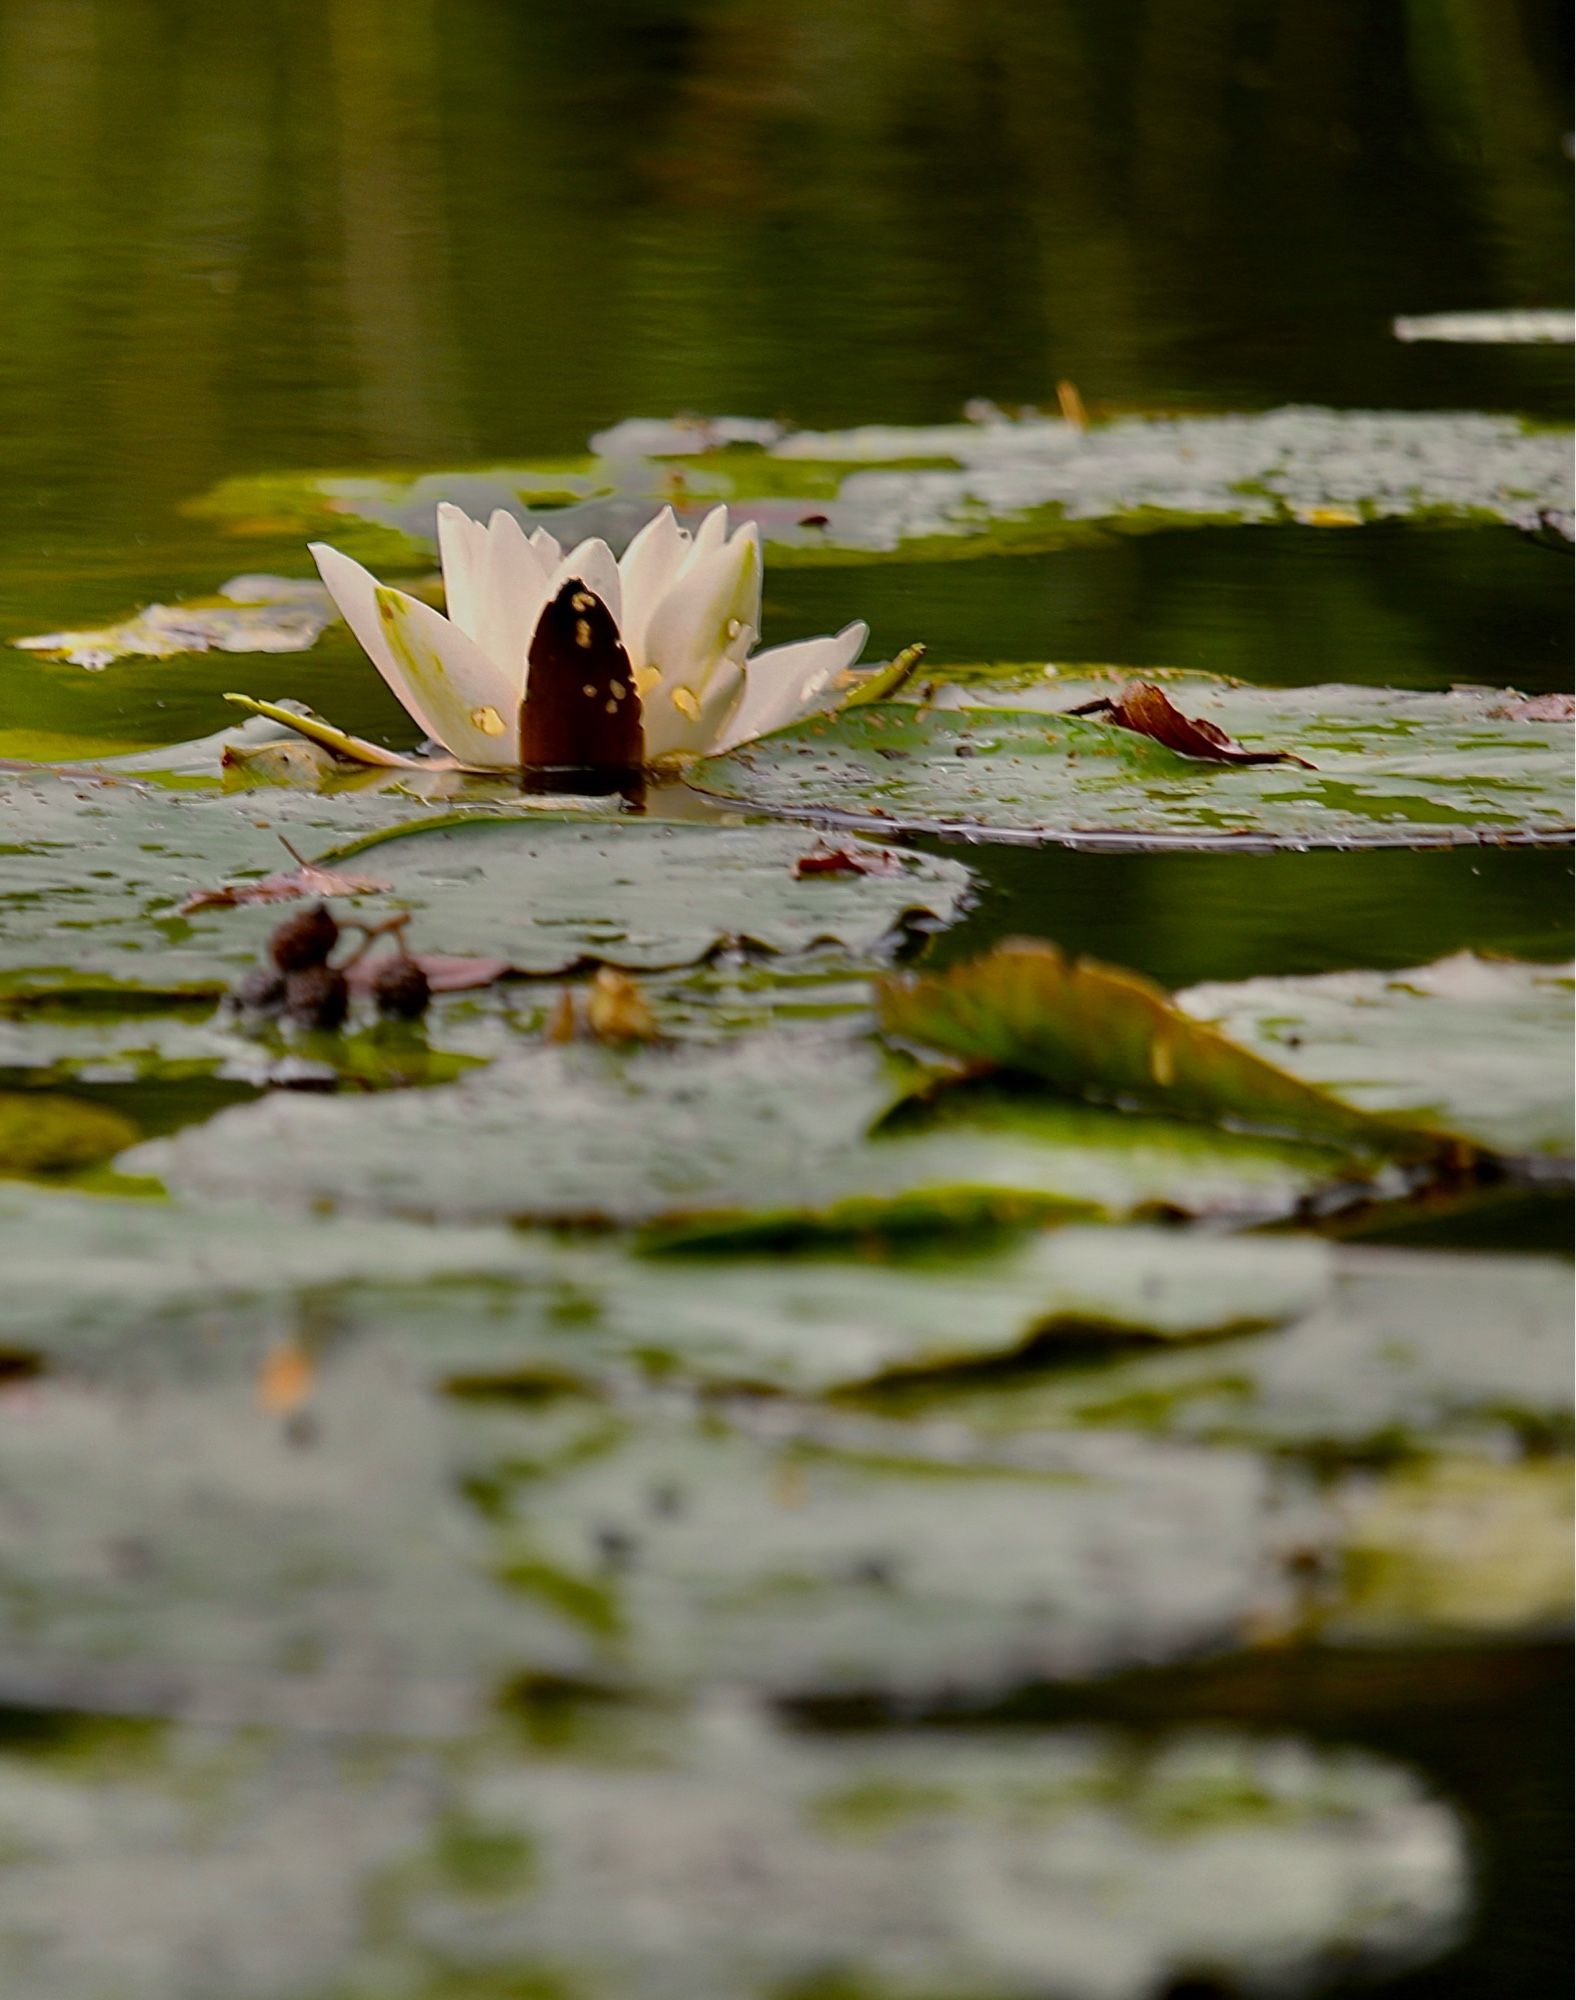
point(42, 1133)
point(1091, 1030)
point(1147, 711)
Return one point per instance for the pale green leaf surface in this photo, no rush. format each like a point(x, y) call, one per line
point(723, 1860)
point(1476, 1045)
point(1394, 769)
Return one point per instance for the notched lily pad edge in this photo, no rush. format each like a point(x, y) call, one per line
point(1083, 840)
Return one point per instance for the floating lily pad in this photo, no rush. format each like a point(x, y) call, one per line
point(774, 1122)
point(814, 1559)
point(645, 897)
point(1475, 1045)
point(99, 870)
point(1499, 329)
point(831, 1561)
point(104, 1284)
point(190, 1552)
point(1384, 1353)
point(724, 1861)
point(249, 614)
point(1004, 759)
point(957, 489)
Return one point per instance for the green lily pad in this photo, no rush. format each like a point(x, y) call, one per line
point(196, 1552)
point(124, 1288)
point(818, 1559)
point(721, 1860)
point(1476, 1045)
point(1384, 1353)
point(645, 897)
point(835, 1562)
point(956, 489)
point(1004, 759)
point(774, 1122)
point(99, 869)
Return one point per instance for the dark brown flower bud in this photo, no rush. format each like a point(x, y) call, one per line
point(401, 989)
point(317, 997)
point(304, 939)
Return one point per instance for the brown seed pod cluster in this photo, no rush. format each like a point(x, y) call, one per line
point(303, 984)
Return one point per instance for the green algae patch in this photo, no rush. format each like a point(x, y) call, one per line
point(42, 1132)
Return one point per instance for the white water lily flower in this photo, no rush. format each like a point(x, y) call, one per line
point(553, 660)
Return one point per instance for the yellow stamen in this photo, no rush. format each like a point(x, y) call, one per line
point(488, 721)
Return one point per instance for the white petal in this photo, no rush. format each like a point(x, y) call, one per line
point(708, 616)
point(473, 705)
point(711, 534)
point(592, 564)
point(461, 544)
point(548, 548)
point(647, 570)
point(355, 591)
point(676, 721)
point(787, 682)
point(511, 590)
point(356, 748)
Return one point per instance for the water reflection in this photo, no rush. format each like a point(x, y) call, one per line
point(285, 234)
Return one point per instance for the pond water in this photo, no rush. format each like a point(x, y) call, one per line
point(361, 236)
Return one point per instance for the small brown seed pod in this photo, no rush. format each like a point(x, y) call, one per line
point(305, 939)
point(401, 989)
point(262, 991)
point(318, 996)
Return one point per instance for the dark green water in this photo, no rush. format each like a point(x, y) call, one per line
point(376, 232)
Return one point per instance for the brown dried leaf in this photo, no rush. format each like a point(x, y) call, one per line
point(1536, 708)
point(845, 861)
point(617, 1010)
point(285, 1378)
point(1147, 711)
point(305, 879)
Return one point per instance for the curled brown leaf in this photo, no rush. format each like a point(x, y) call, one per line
point(1147, 711)
point(845, 861)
